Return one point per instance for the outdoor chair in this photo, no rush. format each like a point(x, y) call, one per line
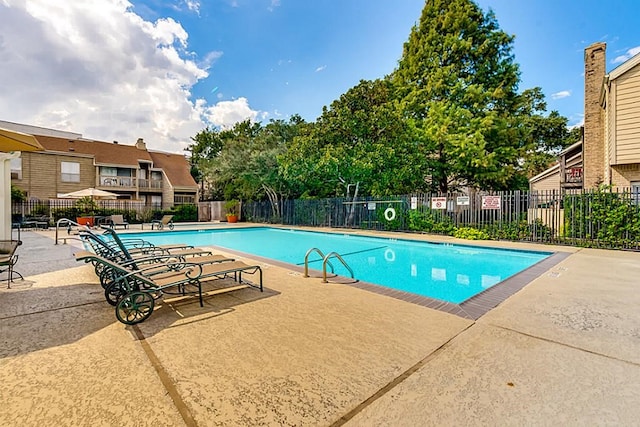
point(133, 292)
point(116, 220)
point(140, 256)
point(167, 220)
point(8, 258)
point(111, 246)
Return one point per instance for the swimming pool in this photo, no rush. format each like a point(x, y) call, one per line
point(452, 273)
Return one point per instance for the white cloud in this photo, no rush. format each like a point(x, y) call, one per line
point(273, 5)
point(630, 53)
point(227, 113)
point(96, 68)
point(320, 68)
point(561, 94)
point(576, 120)
point(193, 5)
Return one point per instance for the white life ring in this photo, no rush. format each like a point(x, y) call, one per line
point(390, 214)
point(389, 255)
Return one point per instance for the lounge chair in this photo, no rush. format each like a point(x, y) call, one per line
point(8, 258)
point(114, 248)
point(116, 220)
point(134, 292)
point(165, 221)
point(140, 256)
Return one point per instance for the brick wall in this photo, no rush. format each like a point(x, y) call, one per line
point(41, 176)
point(593, 149)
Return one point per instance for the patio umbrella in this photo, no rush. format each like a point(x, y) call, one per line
point(11, 140)
point(94, 193)
point(10, 143)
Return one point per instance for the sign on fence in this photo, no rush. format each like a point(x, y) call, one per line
point(491, 202)
point(371, 206)
point(438, 203)
point(414, 202)
point(462, 200)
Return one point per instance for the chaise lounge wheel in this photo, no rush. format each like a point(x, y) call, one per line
point(107, 277)
point(170, 226)
point(114, 292)
point(135, 307)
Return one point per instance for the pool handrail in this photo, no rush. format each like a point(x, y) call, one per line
point(326, 260)
point(68, 223)
point(306, 260)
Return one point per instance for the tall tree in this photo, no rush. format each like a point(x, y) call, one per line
point(546, 135)
point(458, 85)
point(207, 145)
point(358, 144)
point(245, 164)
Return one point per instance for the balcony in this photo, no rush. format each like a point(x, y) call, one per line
point(123, 182)
point(150, 184)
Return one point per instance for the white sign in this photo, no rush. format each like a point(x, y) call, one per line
point(491, 202)
point(462, 201)
point(438, 203)
point(414, 203)
point(371, 206)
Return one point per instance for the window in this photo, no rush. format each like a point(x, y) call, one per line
point(16, 168)
point(184, 199)
point(70, 171)
point(108, 171)
point(156, 201)
point(108, 176)
point(635, 192)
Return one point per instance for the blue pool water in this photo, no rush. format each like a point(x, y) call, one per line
point(452, 273)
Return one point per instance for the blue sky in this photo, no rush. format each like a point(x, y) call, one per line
point(165, 69)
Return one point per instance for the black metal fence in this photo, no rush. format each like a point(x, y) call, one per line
point(605, 219)
point(133, 210)
point(589, 218)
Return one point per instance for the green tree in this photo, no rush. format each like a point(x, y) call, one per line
point(245, 165)
point(17, 195)
point(207, 145)
point(458, 85)
point(357, 146)
point(545, 136)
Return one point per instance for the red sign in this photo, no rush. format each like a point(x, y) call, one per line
point(438, 203)
point(491, 202)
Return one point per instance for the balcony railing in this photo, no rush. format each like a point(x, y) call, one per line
point(129, 182)
point(117, 181)
point(152, 184)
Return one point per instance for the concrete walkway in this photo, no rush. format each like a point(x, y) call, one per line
point(565, 350)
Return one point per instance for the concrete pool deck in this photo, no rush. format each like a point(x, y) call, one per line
point(563, 350)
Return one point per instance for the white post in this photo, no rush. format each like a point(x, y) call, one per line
point(5, 194)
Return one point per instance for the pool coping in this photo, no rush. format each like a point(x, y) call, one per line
point(472, 308)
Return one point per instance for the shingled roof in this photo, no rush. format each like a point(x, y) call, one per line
point(176, 167)
point(105, 153)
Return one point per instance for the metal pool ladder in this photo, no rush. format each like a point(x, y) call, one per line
point(325, 261)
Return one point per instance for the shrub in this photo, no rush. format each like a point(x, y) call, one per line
point(470, 233)
point(184, 213)
point(430, 221)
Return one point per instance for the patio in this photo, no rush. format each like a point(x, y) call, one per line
point(564, 350)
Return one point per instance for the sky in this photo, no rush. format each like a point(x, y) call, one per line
point(163, 70)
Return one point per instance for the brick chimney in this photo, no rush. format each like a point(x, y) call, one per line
point(140, 145)
point(593, 155)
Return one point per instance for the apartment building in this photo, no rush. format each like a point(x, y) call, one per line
point(71, 162)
